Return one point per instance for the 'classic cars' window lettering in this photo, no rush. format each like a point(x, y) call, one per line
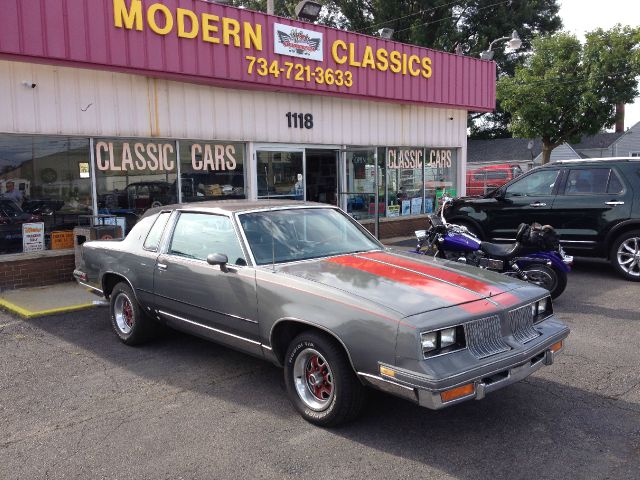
point(197, 235)
point(153, 239)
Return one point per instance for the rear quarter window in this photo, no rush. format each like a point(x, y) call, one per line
point(155, 233)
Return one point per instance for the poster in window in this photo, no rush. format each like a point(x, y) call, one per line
point(393, 211)
point(416, 206)
point(406, 207)
point(32, 237)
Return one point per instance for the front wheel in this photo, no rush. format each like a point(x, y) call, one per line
point(320, 382)
point(546, 277)
point(625, 255)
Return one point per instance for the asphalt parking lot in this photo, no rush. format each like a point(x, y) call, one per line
point(76, 403)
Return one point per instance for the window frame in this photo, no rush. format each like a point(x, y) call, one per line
point(241, 241)
point(612, 170)
point(162, 234)
point(554, 190)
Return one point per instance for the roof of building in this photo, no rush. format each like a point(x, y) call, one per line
point(599, 140)
point(507, 149)
point(517, 149)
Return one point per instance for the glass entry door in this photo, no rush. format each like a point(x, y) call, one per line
point(280, 173)
point(359, 187)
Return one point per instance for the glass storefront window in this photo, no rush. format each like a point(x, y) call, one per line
point(361, 183)
point(45, 181)
point(440, 176)
point(211, 170)
point(133, 175)
point(280, 174)
point(405, 183)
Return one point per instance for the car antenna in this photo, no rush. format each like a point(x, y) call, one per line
point(273, 243)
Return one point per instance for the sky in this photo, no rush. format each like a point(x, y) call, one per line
point(580, 16)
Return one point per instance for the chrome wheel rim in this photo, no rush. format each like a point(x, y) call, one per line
point(628, 256)
point(313, 379)
point(123, 313)
point(541, 278)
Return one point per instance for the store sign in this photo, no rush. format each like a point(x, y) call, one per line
point(132, 157)
point(404, 158)
point(297, 42)
point(205, 157)
point(209, 43)
point(32, 237)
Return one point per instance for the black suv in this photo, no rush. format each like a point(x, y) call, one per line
point(594, 205)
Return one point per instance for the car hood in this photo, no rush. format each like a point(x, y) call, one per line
point(409, 283)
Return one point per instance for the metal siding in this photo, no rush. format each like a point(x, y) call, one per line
point(73, 101)
point(84, 34)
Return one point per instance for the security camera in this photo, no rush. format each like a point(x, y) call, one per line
point(29, 84)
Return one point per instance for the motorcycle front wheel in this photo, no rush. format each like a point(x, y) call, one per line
point(546, 277)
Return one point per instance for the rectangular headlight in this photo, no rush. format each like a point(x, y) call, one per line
point(541, 309)
point(429, 342)
point(447, 337)
point(442, 341)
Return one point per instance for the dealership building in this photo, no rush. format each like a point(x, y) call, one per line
point(111, 107)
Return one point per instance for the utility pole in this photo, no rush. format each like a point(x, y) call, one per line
point(270, 7)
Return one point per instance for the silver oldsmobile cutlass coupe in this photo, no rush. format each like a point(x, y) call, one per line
point(308, 288)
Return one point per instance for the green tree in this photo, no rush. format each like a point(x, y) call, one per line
point(565, 90)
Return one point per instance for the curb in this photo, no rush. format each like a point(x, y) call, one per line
point(25, 313)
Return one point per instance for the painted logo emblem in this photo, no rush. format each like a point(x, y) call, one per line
point(297, 42)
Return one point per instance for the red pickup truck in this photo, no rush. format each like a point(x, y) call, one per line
point(489, 177)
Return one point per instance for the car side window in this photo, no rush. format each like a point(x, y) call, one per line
point(153, 238)
point(615, 184)
point(536, 184)
point(197, 235)
point(583, 181)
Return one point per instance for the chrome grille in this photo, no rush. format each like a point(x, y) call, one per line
point(484, 337)
point(521, 321)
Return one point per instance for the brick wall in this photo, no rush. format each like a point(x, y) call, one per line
point(36, 270)
point(395, 227)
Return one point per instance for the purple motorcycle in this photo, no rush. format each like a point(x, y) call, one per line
point(535, 257)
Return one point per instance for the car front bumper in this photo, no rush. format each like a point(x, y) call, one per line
point(489, 380)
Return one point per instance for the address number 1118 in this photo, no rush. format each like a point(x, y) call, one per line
point(299, 120)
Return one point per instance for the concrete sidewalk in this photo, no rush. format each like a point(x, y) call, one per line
point(41, 301)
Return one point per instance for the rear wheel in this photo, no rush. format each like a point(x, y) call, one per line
point(546, 277)
point(128, 320)
point(320, 382)
point(625, 255)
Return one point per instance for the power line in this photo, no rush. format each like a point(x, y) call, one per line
point(406, 16)
point(448, 18)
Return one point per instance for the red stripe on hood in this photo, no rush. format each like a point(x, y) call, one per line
point(464, 281)
point(456, 295)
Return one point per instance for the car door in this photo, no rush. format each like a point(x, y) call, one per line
point(527, 199)
point(591, 201)
point(202, 298)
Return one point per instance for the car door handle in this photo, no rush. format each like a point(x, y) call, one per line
point(537, 204)
point(162, 266)
point(614, 203)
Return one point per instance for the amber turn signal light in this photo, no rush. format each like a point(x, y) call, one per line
point(387, 371)
point(556, 346)
point(457, 392)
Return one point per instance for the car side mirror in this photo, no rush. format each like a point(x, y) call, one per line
point(500, 194)
point(218, 259)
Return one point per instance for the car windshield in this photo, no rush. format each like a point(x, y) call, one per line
point(301, 234)
point(10, 209)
